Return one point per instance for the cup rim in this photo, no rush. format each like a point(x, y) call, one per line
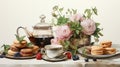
point(53, 47)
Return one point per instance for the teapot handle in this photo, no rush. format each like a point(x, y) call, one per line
point(25, 29)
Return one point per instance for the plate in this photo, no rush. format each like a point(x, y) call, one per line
point(12, 57)
point(85, 54)
point(61, 58)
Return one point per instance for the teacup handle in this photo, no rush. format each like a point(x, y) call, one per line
point(43, 51)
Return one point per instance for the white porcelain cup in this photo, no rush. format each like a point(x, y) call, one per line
point(53, 51)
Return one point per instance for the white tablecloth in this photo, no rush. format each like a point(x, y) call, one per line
point(109, 62)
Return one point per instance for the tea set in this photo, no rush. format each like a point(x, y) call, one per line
point(41, 37)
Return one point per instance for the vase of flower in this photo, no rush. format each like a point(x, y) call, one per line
point(74, 30)
point(84, 40)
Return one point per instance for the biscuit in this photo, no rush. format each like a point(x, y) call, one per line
point(106, 44)
point(110, 51)
point(35, 49)
point(26, 52)
point(12, 53)
point(20, 45)
point(14, 48)
point(97, 50)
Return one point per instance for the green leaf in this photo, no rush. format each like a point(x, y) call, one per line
point(67, 43)
point(86, 10)
point(100, 34)
point(97, 24)
point(77, 32)
point(88, 13)
point(66, 12)
point(29, 44)
point(84, 51)
point(61, 9)
point(96, 35)
point(84, 16)
point(62, 20)
point(97, 32)
point(54, 15)
point(19, 38)
point(69, 11)
point(76, 28)
point(95, 10)
point(6, 48)
point(74, 11)
point(55, 8)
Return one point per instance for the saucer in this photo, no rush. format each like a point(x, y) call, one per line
point(61, 58)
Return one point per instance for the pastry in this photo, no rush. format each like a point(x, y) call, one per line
point(23, 42)
point(26, 52)
point(35, 49)
point(20, 45)
point(12, 53)
point(14, 48)
point(110, 51)
point(106, 44)
point(97, 50)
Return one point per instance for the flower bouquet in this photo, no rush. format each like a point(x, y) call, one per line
point(73, 30)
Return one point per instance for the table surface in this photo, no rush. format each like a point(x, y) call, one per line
point(111, 62)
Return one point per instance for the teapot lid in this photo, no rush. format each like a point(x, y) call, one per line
point(42, 24)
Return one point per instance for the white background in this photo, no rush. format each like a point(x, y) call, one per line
point(15, 13)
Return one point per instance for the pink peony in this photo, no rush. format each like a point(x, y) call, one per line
point(62, 32)
point(76, 17)
point(88, 26)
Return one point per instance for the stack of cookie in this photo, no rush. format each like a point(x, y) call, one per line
point(22, 48)
point(107, 47)
point(103, 49)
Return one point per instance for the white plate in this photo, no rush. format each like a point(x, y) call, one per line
point(80, 50)
point(62, 58)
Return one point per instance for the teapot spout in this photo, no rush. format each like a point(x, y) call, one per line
point(26, 31)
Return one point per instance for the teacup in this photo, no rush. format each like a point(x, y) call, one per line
point(53, 51)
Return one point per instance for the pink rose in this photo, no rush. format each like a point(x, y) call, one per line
point(88, 26)
point(62, 32)
point(76, 17)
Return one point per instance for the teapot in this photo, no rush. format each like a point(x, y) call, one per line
point(42, 33)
